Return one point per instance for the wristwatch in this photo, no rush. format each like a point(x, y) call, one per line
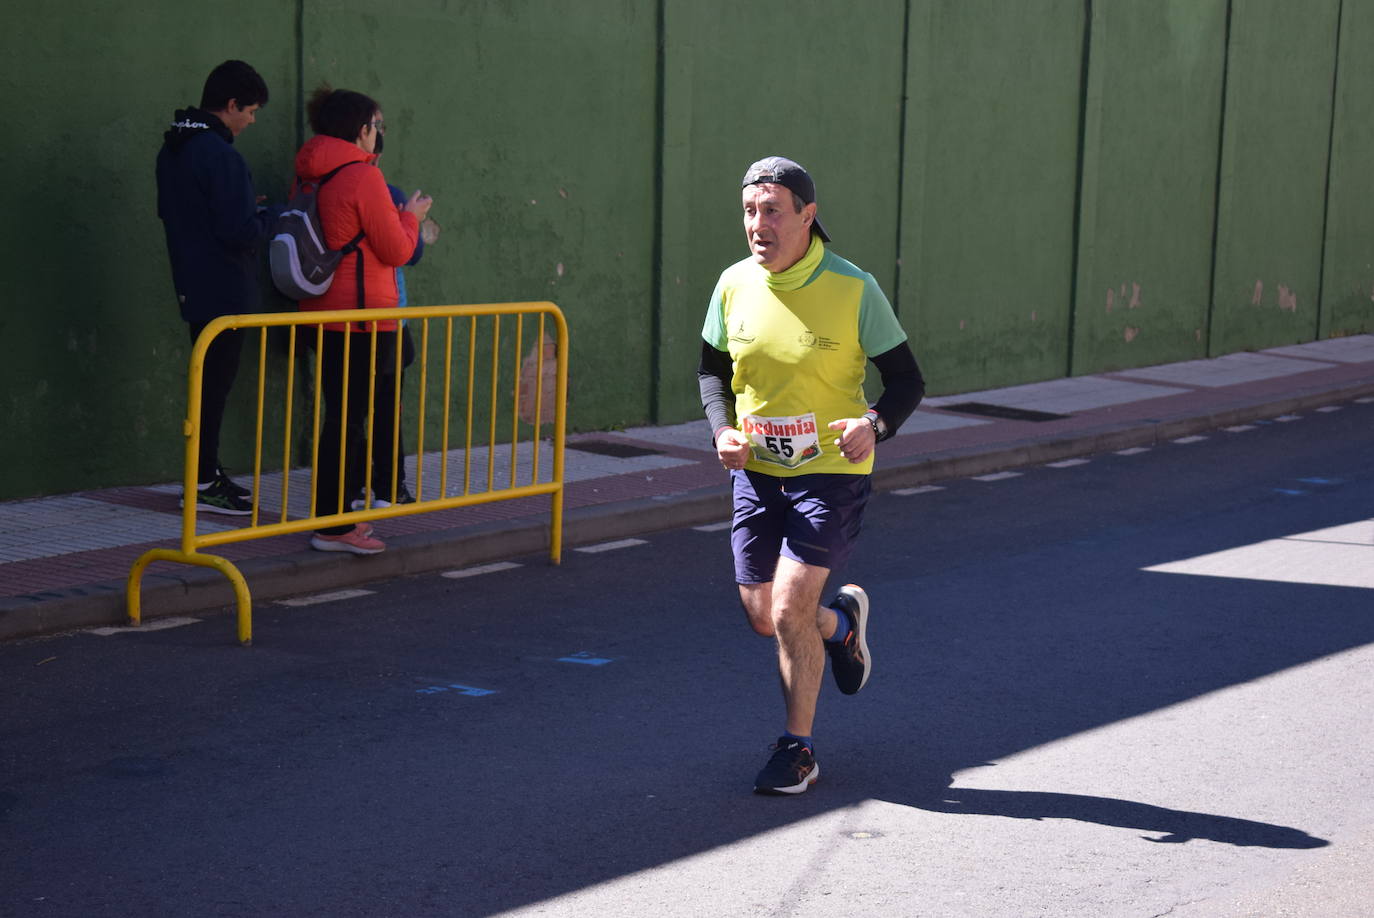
point(878, 424)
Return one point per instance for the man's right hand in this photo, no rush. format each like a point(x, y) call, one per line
point(732, 447)
point(419, 205)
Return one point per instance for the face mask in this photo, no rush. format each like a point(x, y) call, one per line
point(377, 150)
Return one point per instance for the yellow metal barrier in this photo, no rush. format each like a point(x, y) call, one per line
point(532, 407)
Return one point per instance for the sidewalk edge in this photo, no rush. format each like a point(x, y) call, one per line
point(177, 590)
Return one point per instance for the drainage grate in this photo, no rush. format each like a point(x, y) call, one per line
point(609, 448)
point(1002, 411)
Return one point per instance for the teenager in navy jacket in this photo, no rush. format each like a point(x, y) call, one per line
point(214, 225)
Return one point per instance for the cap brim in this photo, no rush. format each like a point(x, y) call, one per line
point(819, 230)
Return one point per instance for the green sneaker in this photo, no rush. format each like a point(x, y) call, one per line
point(218, 498)
point(233, 486)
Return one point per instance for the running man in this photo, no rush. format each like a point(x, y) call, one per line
point(786, 337)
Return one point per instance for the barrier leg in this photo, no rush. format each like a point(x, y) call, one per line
point(556, 528)
point(243, 600)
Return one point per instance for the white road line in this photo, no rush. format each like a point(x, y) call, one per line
point(480, 569)
point(1327, 409)
point(923, 489)
point(1066, 463)
point(1133, 451)
point(610, 546)
point(1364, 401)
point(324, 597)
point(1194, 439)
point(1240, 428)
point(1285, 418)
point(157, 624)
point(997, 476)
point(714, 527)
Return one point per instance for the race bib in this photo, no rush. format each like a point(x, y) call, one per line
point(789, 441)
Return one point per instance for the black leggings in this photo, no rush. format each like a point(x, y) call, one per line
point(382, 440)
point(351, 435)
point(217, 378)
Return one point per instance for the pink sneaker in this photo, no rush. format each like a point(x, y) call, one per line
point(359, 540)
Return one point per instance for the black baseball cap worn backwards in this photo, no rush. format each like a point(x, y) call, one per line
point(779, 170)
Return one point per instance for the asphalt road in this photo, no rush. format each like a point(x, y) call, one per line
point(1052, 727)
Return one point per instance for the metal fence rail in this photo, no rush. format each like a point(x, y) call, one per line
point(517, 398)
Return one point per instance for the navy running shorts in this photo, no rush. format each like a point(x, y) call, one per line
point(812, 519)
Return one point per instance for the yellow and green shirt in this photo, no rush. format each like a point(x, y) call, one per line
point(798, 341)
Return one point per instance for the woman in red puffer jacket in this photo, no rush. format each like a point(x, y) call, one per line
point(349, 130)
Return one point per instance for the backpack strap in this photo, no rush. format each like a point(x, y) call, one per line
point(335, 171)
point(358, 272)
point(362, 326)
point(352, 245)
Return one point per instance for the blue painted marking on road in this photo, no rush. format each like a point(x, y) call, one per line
point(1289, 491)
point(469, 690)
point(455, 687)
point(585, 658)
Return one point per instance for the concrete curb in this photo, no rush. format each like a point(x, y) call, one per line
point(170, 589)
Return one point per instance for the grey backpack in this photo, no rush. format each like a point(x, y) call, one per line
point(302, 265)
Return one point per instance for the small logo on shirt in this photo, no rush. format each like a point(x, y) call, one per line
point(810, 339)
point(737, 333)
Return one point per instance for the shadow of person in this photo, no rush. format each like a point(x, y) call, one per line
point(1176, 826)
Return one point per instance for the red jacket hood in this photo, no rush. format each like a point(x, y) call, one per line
point(321, 154)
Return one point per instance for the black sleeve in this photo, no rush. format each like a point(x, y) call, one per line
point(714, 373)
point(235, 218)
point(903, 386)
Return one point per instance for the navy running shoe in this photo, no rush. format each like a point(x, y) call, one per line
point(850, 663)
point(791, 769)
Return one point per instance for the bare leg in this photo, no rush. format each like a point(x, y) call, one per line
point(757, 599)
point(789, 609)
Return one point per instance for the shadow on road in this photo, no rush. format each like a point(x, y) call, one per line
point(321, 767)
point(1177, 826)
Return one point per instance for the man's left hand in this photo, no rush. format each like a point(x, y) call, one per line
point(856, 438)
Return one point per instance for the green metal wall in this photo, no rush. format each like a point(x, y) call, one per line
point(1043, 187)
point(1347, 301)
point(93, 375)
point(732, 95)
point(989, 175)
point(1275, 135)
point(531, 122)
point(1150, 138)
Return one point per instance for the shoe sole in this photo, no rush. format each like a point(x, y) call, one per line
point(223, 511)
point(376, 505)
point(860, 628)
point(806, 782)
point(321, 545)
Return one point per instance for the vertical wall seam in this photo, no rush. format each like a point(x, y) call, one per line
point(1330, 151)
point(901, 158)
point(656, 306)
point(300, 75)
point(1216, 190)
point(1085, 74)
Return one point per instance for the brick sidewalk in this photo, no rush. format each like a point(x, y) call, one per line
point(64, 559)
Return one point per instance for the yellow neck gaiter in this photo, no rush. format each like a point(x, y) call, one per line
point(796, 276)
